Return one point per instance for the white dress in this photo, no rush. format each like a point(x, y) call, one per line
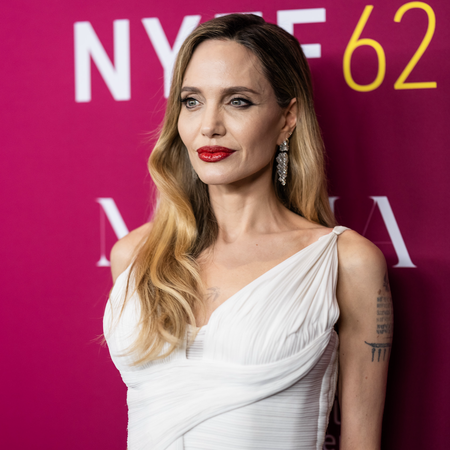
point(261, 375)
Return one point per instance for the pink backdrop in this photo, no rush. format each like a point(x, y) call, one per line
point(74, 177)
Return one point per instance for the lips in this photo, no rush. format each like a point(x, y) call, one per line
point(214, 153)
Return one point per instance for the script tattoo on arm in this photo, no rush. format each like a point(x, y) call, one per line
point(384, 311)
point(212, 294)
point(385, 322)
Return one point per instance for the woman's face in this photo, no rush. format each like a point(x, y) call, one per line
point(230, 120)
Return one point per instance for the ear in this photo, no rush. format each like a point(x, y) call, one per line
point(290, 115)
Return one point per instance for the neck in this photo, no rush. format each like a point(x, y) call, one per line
point(247, 207)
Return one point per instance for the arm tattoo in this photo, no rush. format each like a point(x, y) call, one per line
point(384, 314)
point(212, 294)
point(385, 321)
point(379, 347)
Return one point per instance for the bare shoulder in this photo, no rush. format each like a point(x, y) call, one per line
point(362, 272)
point(124, 249)
point(357, 254)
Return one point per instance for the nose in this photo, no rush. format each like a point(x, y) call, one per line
point(212, 122)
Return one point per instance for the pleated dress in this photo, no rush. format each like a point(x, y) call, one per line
point(260, 375)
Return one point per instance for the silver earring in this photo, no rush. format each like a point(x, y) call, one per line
point(282, 160)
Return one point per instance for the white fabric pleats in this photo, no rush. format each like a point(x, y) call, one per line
point(261, 375)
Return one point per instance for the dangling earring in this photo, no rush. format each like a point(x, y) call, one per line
point(282, 160)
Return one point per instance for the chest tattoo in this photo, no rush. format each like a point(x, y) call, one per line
point(212, 294)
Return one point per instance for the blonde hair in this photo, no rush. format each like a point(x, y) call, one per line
point(165, 271)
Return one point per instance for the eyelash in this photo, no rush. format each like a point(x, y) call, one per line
point(247, 102)
point(185, 100)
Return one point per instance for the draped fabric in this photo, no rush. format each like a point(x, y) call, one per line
point(273, 338)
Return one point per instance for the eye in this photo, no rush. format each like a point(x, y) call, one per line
point(189, 102)
point(240, 102)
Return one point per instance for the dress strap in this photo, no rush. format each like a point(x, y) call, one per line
point(339, 229)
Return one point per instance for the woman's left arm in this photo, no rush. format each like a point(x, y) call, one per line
point(365, 335)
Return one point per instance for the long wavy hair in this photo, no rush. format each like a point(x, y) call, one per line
point(165, 270)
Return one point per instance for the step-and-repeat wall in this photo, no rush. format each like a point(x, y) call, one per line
point(83, 85)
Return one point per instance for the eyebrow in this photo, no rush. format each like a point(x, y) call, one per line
point(226, 91)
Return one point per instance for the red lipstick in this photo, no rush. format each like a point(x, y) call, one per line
point(214, 153)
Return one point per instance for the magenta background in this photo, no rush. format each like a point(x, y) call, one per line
point(59, 387)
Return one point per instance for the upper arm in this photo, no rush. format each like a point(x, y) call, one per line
point(365, 333)
point(125, 249)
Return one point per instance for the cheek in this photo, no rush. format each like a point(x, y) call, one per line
point(260, 137)
point(187, 132)
point(182, 128)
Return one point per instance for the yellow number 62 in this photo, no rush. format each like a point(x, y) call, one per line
point(356, 42)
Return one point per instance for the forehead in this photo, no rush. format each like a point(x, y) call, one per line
point(221, 64)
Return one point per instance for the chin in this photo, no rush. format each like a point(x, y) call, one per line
point(217, 176)
point(216, 180)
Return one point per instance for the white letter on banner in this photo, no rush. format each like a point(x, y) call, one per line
point(404, 259)
point(109, 208)
point(332, 201)
point(287, 19)
point(87, 46)
point(159, 40)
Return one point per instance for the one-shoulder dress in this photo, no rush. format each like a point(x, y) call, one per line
point(260, 375)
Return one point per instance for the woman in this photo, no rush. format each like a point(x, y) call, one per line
point(222, 316)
